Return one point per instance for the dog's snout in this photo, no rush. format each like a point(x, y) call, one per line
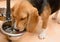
point(14, 25)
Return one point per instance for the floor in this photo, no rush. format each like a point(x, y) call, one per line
point(3, 3)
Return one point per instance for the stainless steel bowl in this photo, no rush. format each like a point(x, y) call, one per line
point(8, 30)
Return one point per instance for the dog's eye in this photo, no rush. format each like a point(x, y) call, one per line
point(22, 19)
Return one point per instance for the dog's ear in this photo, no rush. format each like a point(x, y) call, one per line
point(32, 21)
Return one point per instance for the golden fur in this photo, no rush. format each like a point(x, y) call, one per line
point(25, 17)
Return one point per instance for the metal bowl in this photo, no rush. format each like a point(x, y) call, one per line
point(7, 29)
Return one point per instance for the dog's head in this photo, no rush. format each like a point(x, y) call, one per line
point(25, 16)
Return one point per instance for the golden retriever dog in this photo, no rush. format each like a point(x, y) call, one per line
point(25, 14)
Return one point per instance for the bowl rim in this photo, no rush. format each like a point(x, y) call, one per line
point(10, 34)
